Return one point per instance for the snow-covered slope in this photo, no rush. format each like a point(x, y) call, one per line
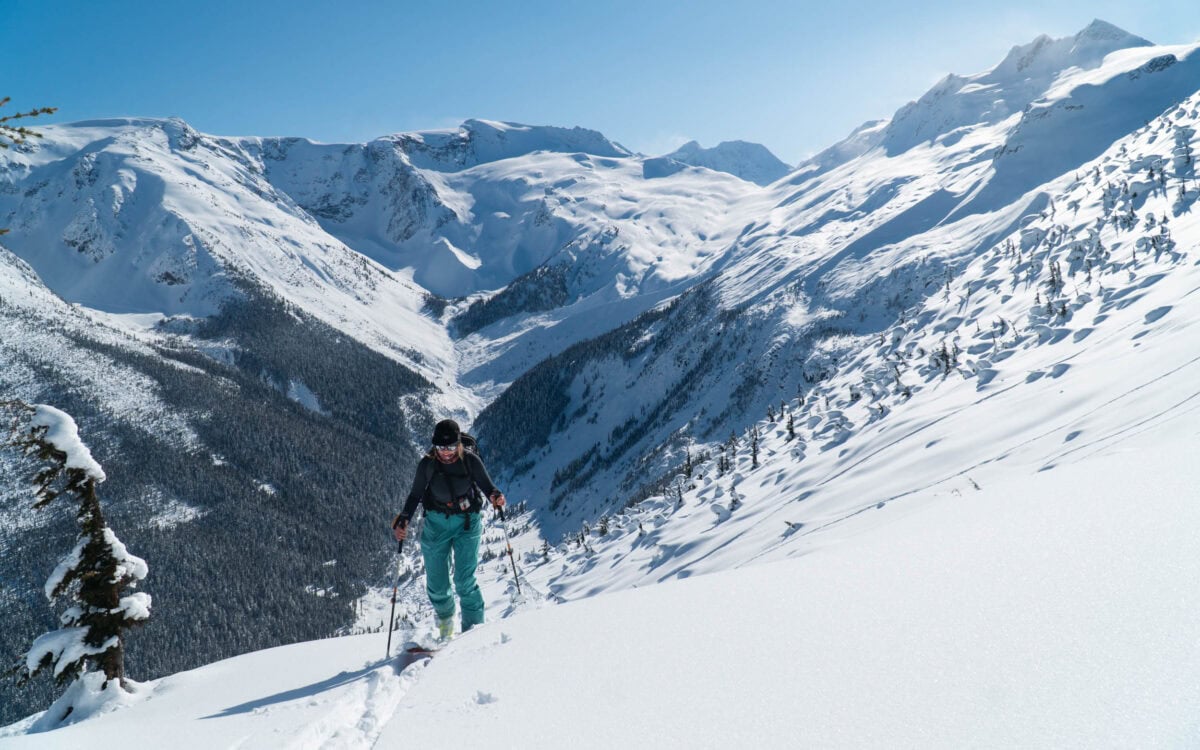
point(151, 217)
point(392, 199)
point(1043, 610)
point(480, 141)
point(834, 260)
point(201, 274)
point(40, 334)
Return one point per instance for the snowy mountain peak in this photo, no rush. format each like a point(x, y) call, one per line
point(1103, 30)
point(1086, 50)
point(484, 141)
point(751, 162)
point(956, 102)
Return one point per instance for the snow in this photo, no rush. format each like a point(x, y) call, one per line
point(172, 512)
point(357, 235)
point(482, 141)
point(128, 565)
point(303, 395)
point(851, 247)
point(993, 96)
point(65, 646)
point(337, 691)
point(203, 218)
point(65, 565)
point(86, 698)
point(63, 434)
point(33, 322)
point(1029, 614)
point(1002, 563)
point(136, 606)
point(1046, 610)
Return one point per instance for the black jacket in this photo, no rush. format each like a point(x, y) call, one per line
point(447, 483)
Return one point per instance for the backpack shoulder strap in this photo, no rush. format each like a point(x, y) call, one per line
point(432, 468)
point(468, 455)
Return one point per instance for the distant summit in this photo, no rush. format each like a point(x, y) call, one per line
point(1045, 56)
point(986, 98)
point(484, 141)
point(752, 162)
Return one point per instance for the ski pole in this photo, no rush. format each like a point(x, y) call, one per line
point(500, 512)
point(395, 586)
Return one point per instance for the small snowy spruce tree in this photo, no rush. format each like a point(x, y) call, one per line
point(89, 648)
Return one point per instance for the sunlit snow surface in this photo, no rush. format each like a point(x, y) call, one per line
point(1054, 609)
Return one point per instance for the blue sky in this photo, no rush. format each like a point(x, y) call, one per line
point(795, 76)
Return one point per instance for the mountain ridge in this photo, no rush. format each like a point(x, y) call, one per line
point(957, 100)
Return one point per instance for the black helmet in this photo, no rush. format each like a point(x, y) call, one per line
point(446, 432)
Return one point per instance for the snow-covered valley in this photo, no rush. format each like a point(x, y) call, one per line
point(919, 412)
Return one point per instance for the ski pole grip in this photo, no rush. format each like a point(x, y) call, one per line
point(400, 548)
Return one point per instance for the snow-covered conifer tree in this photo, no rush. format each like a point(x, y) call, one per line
point(92, 577)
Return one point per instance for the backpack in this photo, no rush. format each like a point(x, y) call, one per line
point(470, 445)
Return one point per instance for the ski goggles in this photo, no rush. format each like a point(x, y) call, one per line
point(446, 448)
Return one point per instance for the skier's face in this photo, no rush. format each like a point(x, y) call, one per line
point(446, 451)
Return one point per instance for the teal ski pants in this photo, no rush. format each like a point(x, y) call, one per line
point(442, 538)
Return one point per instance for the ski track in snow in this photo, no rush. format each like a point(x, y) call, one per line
point(354, 719)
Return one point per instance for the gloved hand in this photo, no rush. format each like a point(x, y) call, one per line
point(400, 527)
point(498, 499)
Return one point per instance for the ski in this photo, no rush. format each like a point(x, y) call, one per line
point(421, 651)
point(413, 653)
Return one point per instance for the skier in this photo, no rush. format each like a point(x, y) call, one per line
point(445, 483)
